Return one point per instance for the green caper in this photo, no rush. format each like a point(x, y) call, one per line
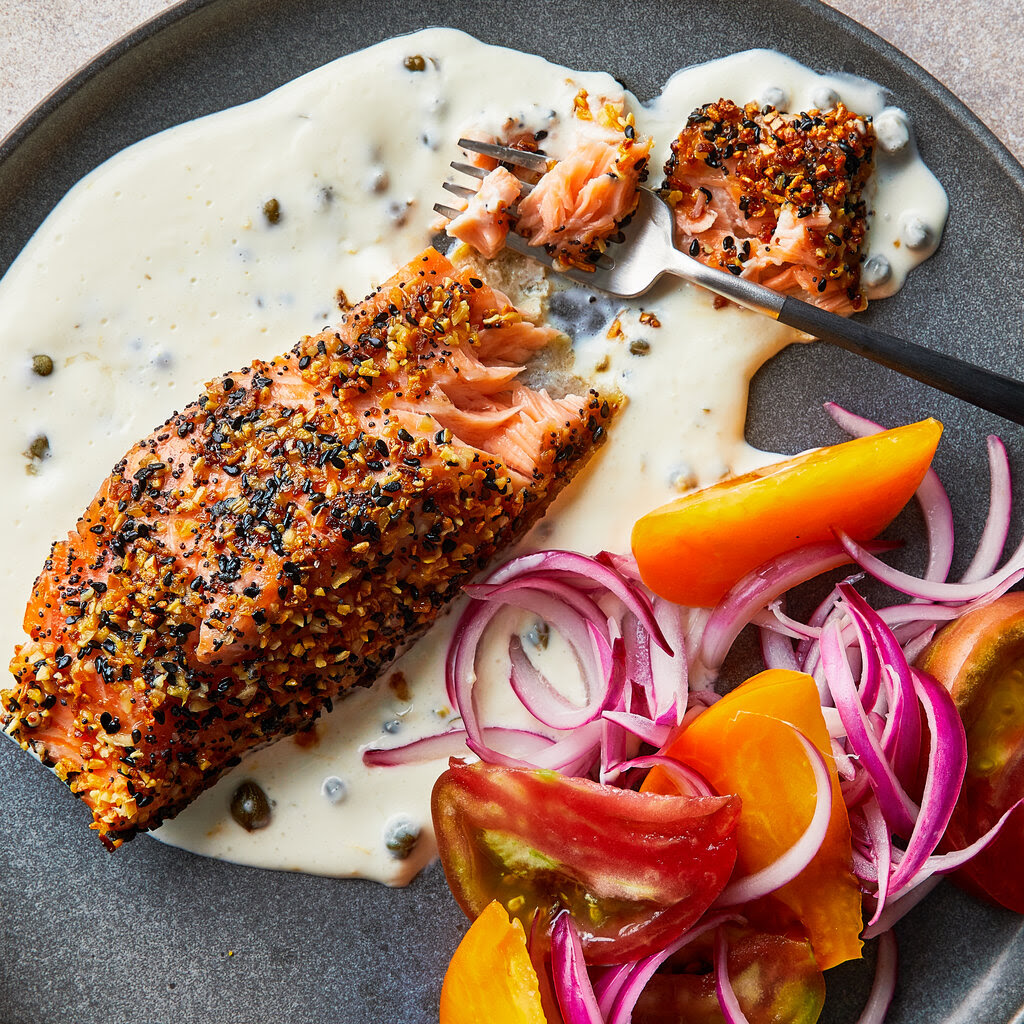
point(400, 837)
point(416, 63)
point(639, 347)
point(272, 210)
point(42, 365)
point(250, 806)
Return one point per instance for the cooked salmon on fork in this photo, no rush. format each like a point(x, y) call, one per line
point(282, 538)
point(645, 251)
point(572, 206)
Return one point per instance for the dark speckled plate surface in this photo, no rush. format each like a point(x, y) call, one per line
point(144, 935)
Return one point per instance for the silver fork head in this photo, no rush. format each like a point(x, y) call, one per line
point(627, 268)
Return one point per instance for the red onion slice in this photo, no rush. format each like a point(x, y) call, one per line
point(997, 522)
point(759, 588)
point(900, 811)
point(897, 909)
point(881, 847)
point(777, 650)
point(649, 731)
point(789, 864)
point(727, 1000)
point(687, 780)
point(573, 987)
point(947, 762)
point(621, 1009)
point(452, 743)
point(1011, 573)
point(592, 571)
point(943, 863)
point(544, 702)
point(669, 672)
point(884, 985)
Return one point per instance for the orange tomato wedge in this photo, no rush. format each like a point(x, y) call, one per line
point(693, 550)
point(742, 746)
point(491, 979)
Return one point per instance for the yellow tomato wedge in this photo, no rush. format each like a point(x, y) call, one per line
point(491, 979)
point(693, 550)
point(742, 746)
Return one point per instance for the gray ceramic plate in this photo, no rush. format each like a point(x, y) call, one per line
point(144, 934)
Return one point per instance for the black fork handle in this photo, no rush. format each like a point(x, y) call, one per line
point(983, 388)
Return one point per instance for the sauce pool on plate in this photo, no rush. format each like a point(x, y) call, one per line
point(230, 237)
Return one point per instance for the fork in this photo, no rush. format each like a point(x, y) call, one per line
point(644, 251)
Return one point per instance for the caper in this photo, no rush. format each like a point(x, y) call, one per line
point(539, 634)
point(250, 806)
point(42, 365)
point(416, 63)
point(400, 837)
point(639, 347)
point(334, 789)
point(272, 210)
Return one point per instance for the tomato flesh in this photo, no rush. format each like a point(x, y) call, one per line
point(775, 978)
point(980, 660)
point(634, 870)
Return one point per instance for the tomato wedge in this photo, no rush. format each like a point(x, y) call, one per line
point(979, 658)
point(491, 977)
point(743, 745)
point(634, 870)
point(693, 550)
point(774, 977)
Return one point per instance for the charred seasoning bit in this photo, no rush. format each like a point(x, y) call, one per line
point(648, 318)
point(399, 686)
point(307, 738)
point(342, 301)
point(773, 180)
point(42, 366)
point(415, 63)
point(250, 806)
point(279, 540)
point(272, 211)
point(639, 347)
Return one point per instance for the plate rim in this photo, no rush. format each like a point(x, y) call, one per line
point(36, 118)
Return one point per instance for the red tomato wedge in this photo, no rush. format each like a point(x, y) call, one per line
point(693, 550)
point(743, 745)
point(980, 660)
point(774, 977)
point(634, 870)
point(490, 977)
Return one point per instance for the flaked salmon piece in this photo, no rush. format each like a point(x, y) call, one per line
point(582, 199)
point(776, 198)
point(484, 223)
point(282, 538)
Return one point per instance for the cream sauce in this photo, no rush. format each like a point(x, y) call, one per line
point(160, 269)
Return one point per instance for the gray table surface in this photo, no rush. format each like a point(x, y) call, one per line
point(972, 46)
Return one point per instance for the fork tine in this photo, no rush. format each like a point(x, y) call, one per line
point(525, 188)
point(458, 190)
point(516, 157)
point(471, 169)
point(447, 211)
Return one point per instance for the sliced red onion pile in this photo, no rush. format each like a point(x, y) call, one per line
point(646, 666)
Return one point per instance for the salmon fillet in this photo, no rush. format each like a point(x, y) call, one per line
point(776, 198)
point(282, 538)
point(579, 203)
